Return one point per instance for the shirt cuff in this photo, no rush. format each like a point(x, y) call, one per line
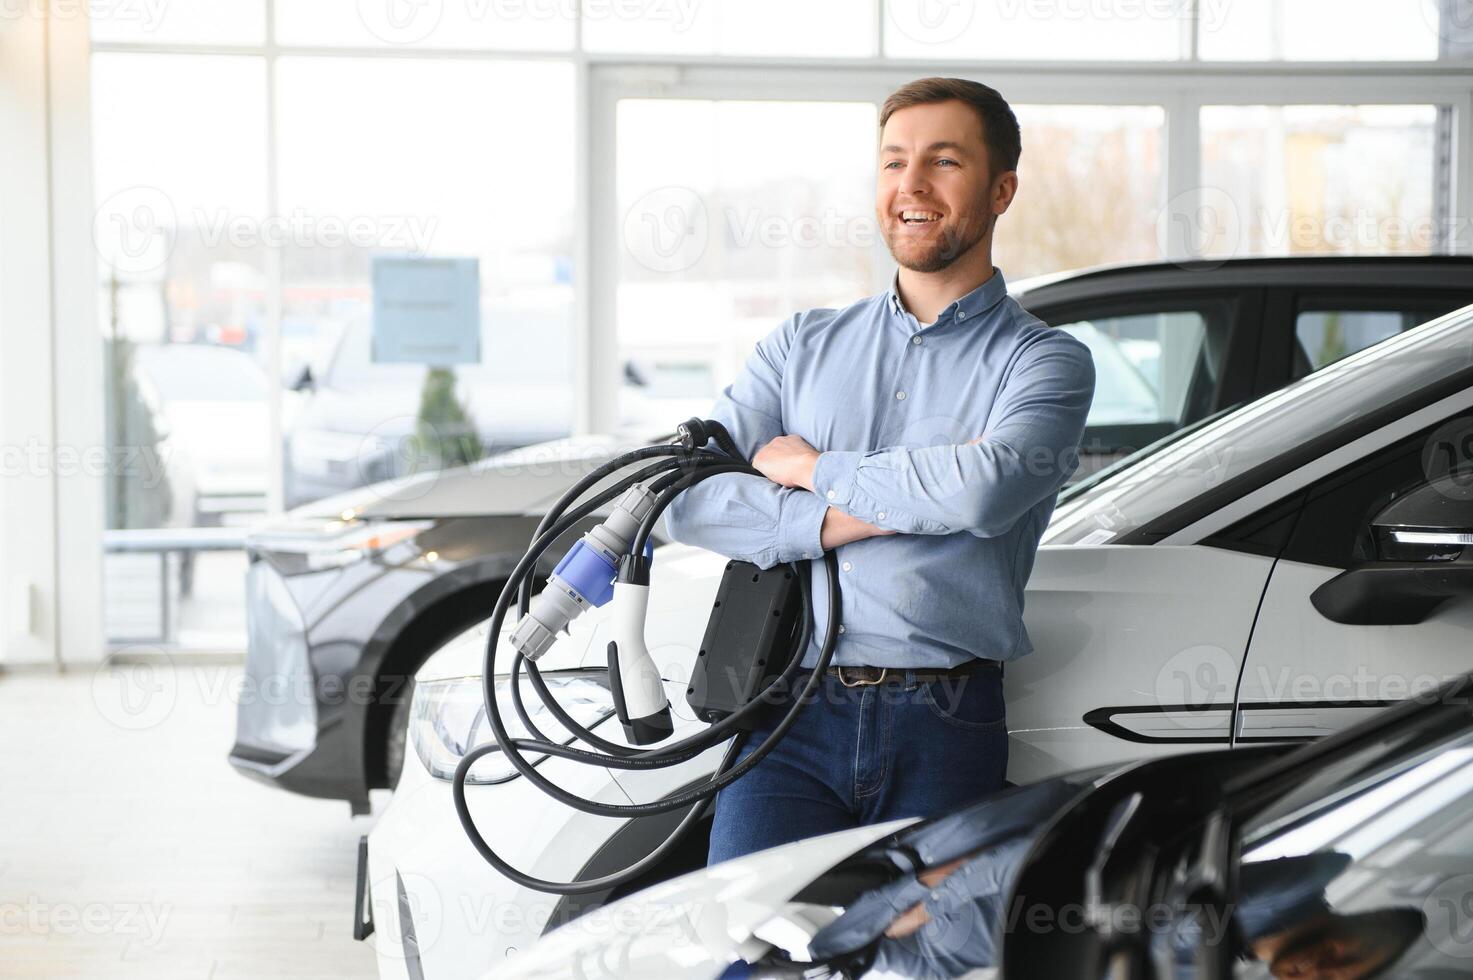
point(800, 526)
point(833, 477)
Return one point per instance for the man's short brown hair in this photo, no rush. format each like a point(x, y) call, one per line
point(999, 125)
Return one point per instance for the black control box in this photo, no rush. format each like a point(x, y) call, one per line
point(750, 639)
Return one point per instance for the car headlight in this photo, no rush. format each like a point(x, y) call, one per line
point(448, 718)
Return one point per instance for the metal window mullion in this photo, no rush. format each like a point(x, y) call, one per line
point(1183, 174)
point(272, 259)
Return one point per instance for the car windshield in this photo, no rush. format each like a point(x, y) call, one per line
point(1189, 463)
point(1368, 862)
point(201, 373)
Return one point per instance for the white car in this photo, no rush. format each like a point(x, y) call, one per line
point(1175, 604)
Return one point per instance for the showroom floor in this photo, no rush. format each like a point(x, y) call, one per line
point(130, 848)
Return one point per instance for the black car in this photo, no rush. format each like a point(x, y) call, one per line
point(1349, 858)
point(353, 593)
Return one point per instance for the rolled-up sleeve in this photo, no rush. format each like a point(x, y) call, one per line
point(1030, 448)
point(746, 516)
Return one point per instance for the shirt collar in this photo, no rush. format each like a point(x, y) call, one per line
point(979, 300)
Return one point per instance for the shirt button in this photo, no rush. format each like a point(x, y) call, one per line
point(916, 341)
point(841, 627)
point(961, 314)
point(900, 396)
point(848, 566)
point(880, 516)
point(830, 495)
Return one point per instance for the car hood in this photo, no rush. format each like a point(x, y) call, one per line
point(819, 900)
point(522, 481)
point(503, 413)
point(693, 926)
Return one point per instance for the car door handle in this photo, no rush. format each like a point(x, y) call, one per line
point(1165, 723)
point(1280, 721)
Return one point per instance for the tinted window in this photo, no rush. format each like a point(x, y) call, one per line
point(1323, 337)
point(1178, 472)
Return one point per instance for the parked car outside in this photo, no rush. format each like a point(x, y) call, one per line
point(325, 622)
point(1272, 575)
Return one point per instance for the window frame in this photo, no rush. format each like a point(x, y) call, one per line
point(601, 79)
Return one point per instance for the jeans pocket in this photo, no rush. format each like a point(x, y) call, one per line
point(973, 702)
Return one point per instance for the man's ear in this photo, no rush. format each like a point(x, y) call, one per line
point(1004, 189)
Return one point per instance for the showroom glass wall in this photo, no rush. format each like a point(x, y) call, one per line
point(647, 187)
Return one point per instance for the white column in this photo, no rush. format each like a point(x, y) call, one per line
point(51, 433)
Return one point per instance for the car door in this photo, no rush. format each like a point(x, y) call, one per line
point(1306, 675)
point(1161, 362)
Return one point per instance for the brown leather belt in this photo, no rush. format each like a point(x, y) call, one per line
point(868, 676)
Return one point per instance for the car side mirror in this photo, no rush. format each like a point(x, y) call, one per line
point(1422, 545)
point(301, 379)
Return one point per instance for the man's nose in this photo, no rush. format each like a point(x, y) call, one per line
point(913, 181)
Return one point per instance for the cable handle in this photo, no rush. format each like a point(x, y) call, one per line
point(694, 433)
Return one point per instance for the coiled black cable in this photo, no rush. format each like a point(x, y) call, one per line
point(677, 468)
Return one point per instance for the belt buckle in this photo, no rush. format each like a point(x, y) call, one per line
point(862, 683)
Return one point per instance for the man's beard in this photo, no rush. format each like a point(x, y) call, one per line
point(934, 255)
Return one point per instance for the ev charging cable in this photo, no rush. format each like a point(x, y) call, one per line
point(613, 561)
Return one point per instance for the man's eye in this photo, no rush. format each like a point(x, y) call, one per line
point(946, 160)
point(892, 164)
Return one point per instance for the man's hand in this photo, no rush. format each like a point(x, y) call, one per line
point(787, 461)
point(841, 528)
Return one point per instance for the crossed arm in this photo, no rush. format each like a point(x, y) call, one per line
point(807, 502)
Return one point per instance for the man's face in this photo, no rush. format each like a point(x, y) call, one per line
point(933, 198)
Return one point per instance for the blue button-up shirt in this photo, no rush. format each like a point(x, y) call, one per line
point(958, 435)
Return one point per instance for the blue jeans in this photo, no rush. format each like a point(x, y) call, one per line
point(863, 755)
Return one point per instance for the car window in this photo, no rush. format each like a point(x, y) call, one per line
point(201, 372)
point(1145, 365)
point(1365, 867)
point(1324, 336)
point(1168, 476)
